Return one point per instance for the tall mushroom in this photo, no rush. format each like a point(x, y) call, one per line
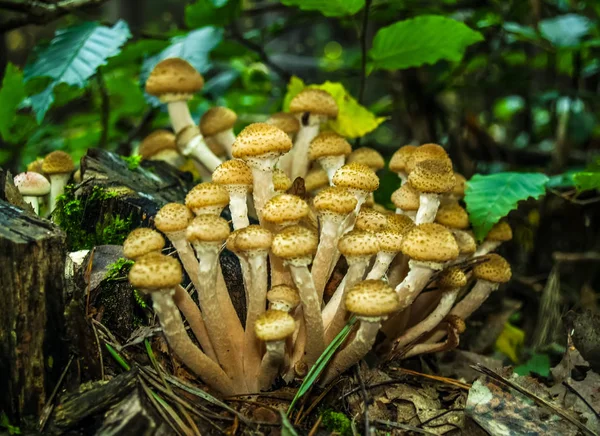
point(360, 180)
point(330, 150)
point(32, 187)
point(207, 198)
point(236, 177)
point(284, 210)
point(142, 241)
point(399, 159)
point(499, 233)
point(430, 178)
point(390, 244)
point(217, 125)
point(172, 220)
point(58, 166)
point(406, 200)
point(161, 145)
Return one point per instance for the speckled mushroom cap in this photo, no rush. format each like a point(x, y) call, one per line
point(173, 217)
point(156, 141)
point(430, 242)
point(334, 201)
point(142, 241)
point(156, 272)
point(496, 269)
point(367, 156)
point(281, 181)
point(370, 220)
point(372, 298)
point(400, 157)
point(35, 166)
point(206, 197)
point(356, 176)
point(358, 243)
point(451, 278)
point(174, 79)
point(466, 242)
point(390, 240)
point(32, 184)
point(295, 242)
point(216, 120)
point(208, 228)
point(501, 232)
point(457, 323)
point(233, 172)
point(283, 297)
point(58, 162)
point(315, 101)
point(286, 122)
point(316, 179)
point(452, 215)
point(432, 176)
point(253, 238)
point(459, 187)
point(274, 325)
point(261, 139)
point(406, 198)
point(284, 208)
point(426, 152)
point(400, 222)
point(328, 144)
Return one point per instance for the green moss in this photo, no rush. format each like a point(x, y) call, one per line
point(133, 162)
point(118, 269)
point(337, 422)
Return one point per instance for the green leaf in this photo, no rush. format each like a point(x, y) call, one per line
point(423, 40)
point(538, 364)
point(353, 119)
point(73, 56)
point(565, 31)
point(287, 429)
point(11, 94)
point(490, 198)
point(522, 32)
point(587, 180)
point(329, 8)
point(210, 13)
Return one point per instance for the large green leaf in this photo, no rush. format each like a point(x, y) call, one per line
point(490, 198)
point(587, 180)
point(565, 31)
point(423, 40)
point(11, 94)
point(329, 8)
point(211, 13)
point(72, 57)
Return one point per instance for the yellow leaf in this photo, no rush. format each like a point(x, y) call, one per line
point(510, 341)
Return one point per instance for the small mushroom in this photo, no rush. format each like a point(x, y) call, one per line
point(161, 145)
point(330, 150)
point(499, 233)
point(399, 159)
point(426, 152)
point(283, 297)
point(142, 241)
point(36, 166)
point(32, 187)
point(281, 181)
point(430, 178)
point(406, 200)
point(285, 210)
point(207, 198)
point(315, 180)
point(236, 177)
point(390, 244)
point(58, 166)
point(217, 125)
point(367, 156)
point(454, 326)
point(286, 122)
point(466, 244)
point(360, 180)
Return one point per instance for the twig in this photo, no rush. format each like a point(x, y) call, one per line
point(446, 380)
point(50, 402)
point(586, 402)
point(584, 256)
point(315, 428)
point(104, 109)
point(365, 398)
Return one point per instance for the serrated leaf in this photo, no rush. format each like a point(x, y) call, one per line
point(353, 121)
point(423, 40)
point(565, 30)
point(329, 8)
point(11, 95)
point(490, 198)
point(73, 56)
point(587, 180)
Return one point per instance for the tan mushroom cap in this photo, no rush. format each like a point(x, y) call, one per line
point(328, 144)
point(173, 217)
point(36, 166)
point(253, 238)
point(430, 242)
point(400, 157)
point(334, 200)
point(456, 322)
point(156, 141)
point(142, 241)
point(295, 242)
point(274, 325)
point(216, 120)
point(406, 198)
point(432, 176)
point(390, 240)
point(174, 79)
point(466, 242)
point(156, 272)
point(370, 220)
point(426, 152)
point(459, 187)
point(399, 222)
point(284, 121)
point(284, 295)
point(356, 176)
point(452, 278)
point(208, 228)
point(207, 194)
point(281, 181)
point(233, 172)
point(452, 215)
point(367, 156)
point(284, 208)
point(372, 298)
point(315, 101)
point(496, 269)
point(58, 162)
point(501, 232)
point(259, 139)
point(358, 243)
point(32, 184)
point(316, 179)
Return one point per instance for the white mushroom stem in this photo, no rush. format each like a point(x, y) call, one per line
point(238, 206)
point(326, 251)
point(271, 363)
point(381, 265)
point(331, 164)
point(412, 214)
point(57, 187)
point(262, 174)
point(308, 132)
point(225, 139)
point(403, 177)
point(179, 114)
point(181, 344)
point(428, 206)
point(486, 247)
point(415, 281)
point(186, 255)
point(33, 202)
point(197, 149)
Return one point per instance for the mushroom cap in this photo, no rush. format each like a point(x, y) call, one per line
point(358, 243)
point(295, 242)
point(457, 323)
point(500, 232)
point(400, 223)
point(459, 187)
point(284, 294)
point(400, 157)
point(253, 238)
point(284, 121)
point(174, 76)
point(315, 179)
point(58, 162)
point(208, 228)
point(335, 200)
point(406, 198)
point(284, 208)
point(274, 325)
point(367, 156)
point(155, 272)
point(390, 240)
point(315, 101)
point(32, 184)
point(466, 242)
point(452, 215)
point(496, 269)
point(451, 278)
point(156, 141)
point(233, 172)
point(328, 144)
point(173, 217)
point(370, 220)
point(216, 120)
point(142, 241)
point(430, 242)
point(35, 166)
point(281, 181)
point(260, 138)
point(432, 176)
point(426, 152)
point(372, 298)
point(356, 176)
point(207, 194)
